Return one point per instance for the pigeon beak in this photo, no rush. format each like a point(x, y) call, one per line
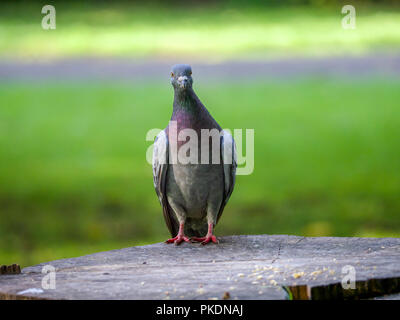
point(183, 82)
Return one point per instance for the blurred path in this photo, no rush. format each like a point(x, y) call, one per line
point(153, 70)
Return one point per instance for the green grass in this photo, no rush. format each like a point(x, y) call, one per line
point(74, 180)
point(213, 32)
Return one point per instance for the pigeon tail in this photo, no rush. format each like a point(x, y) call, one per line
point(195, 228)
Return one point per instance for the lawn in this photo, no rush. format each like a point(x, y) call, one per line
point(74, 179)
point(212, 33)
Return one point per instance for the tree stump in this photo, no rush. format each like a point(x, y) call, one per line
point(240, 267)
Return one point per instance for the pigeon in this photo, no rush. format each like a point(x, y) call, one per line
point(193, 194)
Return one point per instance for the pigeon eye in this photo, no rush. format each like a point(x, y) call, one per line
point(172, 74)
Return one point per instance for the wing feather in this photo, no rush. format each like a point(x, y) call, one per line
point(229, 160)
point(160, 168)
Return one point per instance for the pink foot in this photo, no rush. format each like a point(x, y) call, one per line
point(206, 239)
point(178, 239)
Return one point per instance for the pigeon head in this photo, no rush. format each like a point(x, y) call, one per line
point(181, 77)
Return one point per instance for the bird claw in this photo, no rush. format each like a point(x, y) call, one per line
point(178, 240)
point(206, 239)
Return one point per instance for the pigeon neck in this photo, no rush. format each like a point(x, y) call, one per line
point(185, 100)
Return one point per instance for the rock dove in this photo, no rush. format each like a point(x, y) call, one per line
point(192, 195)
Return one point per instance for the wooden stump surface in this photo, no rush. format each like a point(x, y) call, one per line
point(240, 267)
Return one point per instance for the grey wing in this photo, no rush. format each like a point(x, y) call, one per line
point(160, 168)
point(229, 159)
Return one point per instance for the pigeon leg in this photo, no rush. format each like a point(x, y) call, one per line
point(208, 238)
point(180, 236)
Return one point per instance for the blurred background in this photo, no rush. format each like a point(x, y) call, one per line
point(76, 104)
